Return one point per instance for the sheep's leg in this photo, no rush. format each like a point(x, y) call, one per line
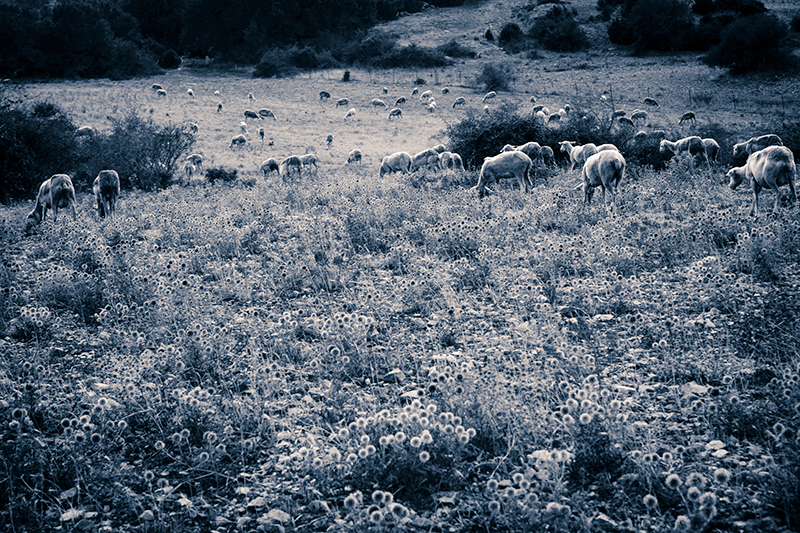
point(791, 188)
point(756, 190)
point(777, 190)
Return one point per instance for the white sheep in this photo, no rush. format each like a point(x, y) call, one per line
point(216, 93)
point(486, 109)
point(426, 158)
point(414, 91)
point(537, 108)
point(533, 150)
point(350, 113)
point(548, 157)
point(688, 117)
point(342, 102)
point(249, 113)
point(754, 144)
point(605, 170)
point(459, 101)
point(457, 161)
point(269, 166)
point(618, 113)
point(329, 141)
point(85, 131)
point(489, 96)
point(324, 95)
point(188, 170)
point(377, 102)
point(639, 114)
point(712, 149)
point(607, 146)
point(308, 161)
point(385, 90)
point(157, 87)
point(651, 102)
point(267, 113)
point(771, 167)
point(425, 95)
point(56, 192)
point(396, 112)
point(659, 134)
point(577, 154)
point(190, 92)
point(445, 159)
point(506, 165)
point(640, 136)
point(431, 107)
point(533, 99)
point(161, 92)
point(243, 127)
point(555, 117)
point(399, 101)
point(625, 121)
point(197, 160)
point(693, 145)
point(251, 97)
point(445, 90)
point(354, 156)
point(238, 140)
point(106, 191)
point(439, 148)
point(286, 166)
point(396, 162)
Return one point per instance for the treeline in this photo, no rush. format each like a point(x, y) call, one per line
point(123, 38)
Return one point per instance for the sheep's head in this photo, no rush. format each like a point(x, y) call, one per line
point(735, 177)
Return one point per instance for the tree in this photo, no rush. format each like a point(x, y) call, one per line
point(753, 43)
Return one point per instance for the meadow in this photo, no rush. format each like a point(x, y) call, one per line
point(346, 352)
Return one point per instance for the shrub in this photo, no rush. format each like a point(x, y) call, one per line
point(758, 42)
point(489, 35)
point(559, 31)
point(410, 57)
point(275, 63)
point(169, 59)
point(214, 174)
point(346, 75)
point(453, 49)
point(495, 77)
point(512, 38)
point(795, 23)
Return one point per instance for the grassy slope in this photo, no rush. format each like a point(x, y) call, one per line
point(273, 315)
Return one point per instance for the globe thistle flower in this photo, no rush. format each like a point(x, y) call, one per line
point(648, 459)
point(673, 481)
point(517, 478)
point(159, 445)
point(399, 511)
point(585, 418)
point(424, 456)
point(376, 516)
point(149, 476)
point(568, 420)
point(492, 485)
point(650, 501)
point(203, 457)
point(682, 523)
point(708, 499)
point(400, 437)
point(363, 453)
point(494, 507)
point(693, 494)
point(364, 440)
point(696, 480)
point(351, 502)
point(722, 476)
point(352, 457)
point(377, 496)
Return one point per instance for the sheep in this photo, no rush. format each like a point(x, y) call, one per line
point(533, 99)
point(342, 102)
point(396, 112)
point(688, 117)
point(638, 114)
point(106, 191)
point(540, 115)
point(533, 150)
point(548, 157)
point(243, 127)
point(399, 101)
point(269, 166)
point(267, 113)
point(429, 158)
point(354, 156)
point(239, 140)
point(85, 131)
point(385, 90)
point(188, 171)
point(577, 154)
point(197, 160)
point(56, 192)
point(445, 159)
point(248, 113)
point(694, 145)
point(396, 162)
point(537, 108)
point(324, 95)
point(567, 108)
point(771, 167)
point(555, 117)
point(605, 170)
point(506, 165)
point(291, 162)
point(190, 92)
point(640, 136)
point(251, 97)
point(261, 133)
point(489, 96)
point(414, 91)
point(425, 95)
point(457, 161)
point(439, 148)
point(625, 121)
point(431, 107)
point(754, 144)
point(329, 141)
point(607, 146)
point(712, 149)
point(377, 102)
point(216, 93)
point(309, 160)
point(157, 87)
point(445, 90)
point(350, 113)
point(562, 112)
point(618, 113)
point(508, 148)
point(161, 92)
point(659, 134)
point(459, 101)
point(193, 127)
point(219, 107)
point(651, 102)
point(486, 109)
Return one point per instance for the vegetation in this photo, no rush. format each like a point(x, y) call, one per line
point(495, 77)
point(559, 31)
point(753, 43)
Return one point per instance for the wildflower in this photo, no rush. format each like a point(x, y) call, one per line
point(693, 494)
point(159, 445)
point(351, 502)
point(727, 380)
point(371, 449)
point(364, 440)
point(363, 453)
point(80, 436)
point(673, 481)
point(667, 457)
point(722, 475)
point(650, 501)
point(388, 498)
point(377, 496)
point(494, 506)
point(492, 485)
point(636, 455)
point(708, 499)
point(211, 437)
point(733, 400)
point(424, 456)
point(203, 457)
point(615, 404)
point(376, 516)
point(399, 511)
point(415, 442)
point(517, 478)
point(14, 425)
point(649, 458)
point(696, 480)
point(149, 476)
point(96, 438)
point(400, 437)
point(569, 420)
point(585, 418)
point(682, 523)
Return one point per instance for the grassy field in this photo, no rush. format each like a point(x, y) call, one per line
point(355, 353)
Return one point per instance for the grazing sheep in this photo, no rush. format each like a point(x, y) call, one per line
point(457, 161)
point(350, 113)
point(161, 92)
point(261, 133)
point(324, 95)
point(486, 109)
point(219, 107)
point(377, 102)
point(425, 95)
point(399, 101)
point(248, 113)
point(506, 165)
point(618, 113)
point(429, 158)
point(659, 134)
point(555, 117)
point(216, 93)
point(489, 96)
point(431, 107)
point(329, 141)
point(605, 170)
point(537, 108)
point(309, 160)
point(694, 145)
point(286, 166)
point(414, 91)
point(533, 150)
point(508, 148)
point(712, 149)
point(577, 154)
point(85, 131)
point(269, 166)
point(355, 156)
point(562, 112)
point(771, 167)
point(342, 102)
point(640, 136)
point(396, 112)
point(157, 87)
point(540, 115)
point(439, 148)
point(243, 127)
point(688, 117)
point(239, 140)
point(533, 99)
point(396, 162)
point(190, 92)
point(638, 114)
point(197, 160)
point(385, 90)
point(651, 102)
point(445, 90)
point(106, 191)
point(607, 146)
point(250, 96)
point(548, 157)
point(55, 193)
point(754, 144)
point(459, 101)
point(445, 160)
point(188, 171)
point(267, 113)
point(625, 121)
point(193, 127)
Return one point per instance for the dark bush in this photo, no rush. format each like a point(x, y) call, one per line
point(512, 38)
point(495, 77)
point(368, 50)
point(346, 75)
point(453, 49)
point(214, 174)
point(489, 35)
point(169, 59)
point(795, 24)
point(559, 31)
point(275, 63)
point(757, 42)
point(420, 81)
point(607, 7)
point(412, 56)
